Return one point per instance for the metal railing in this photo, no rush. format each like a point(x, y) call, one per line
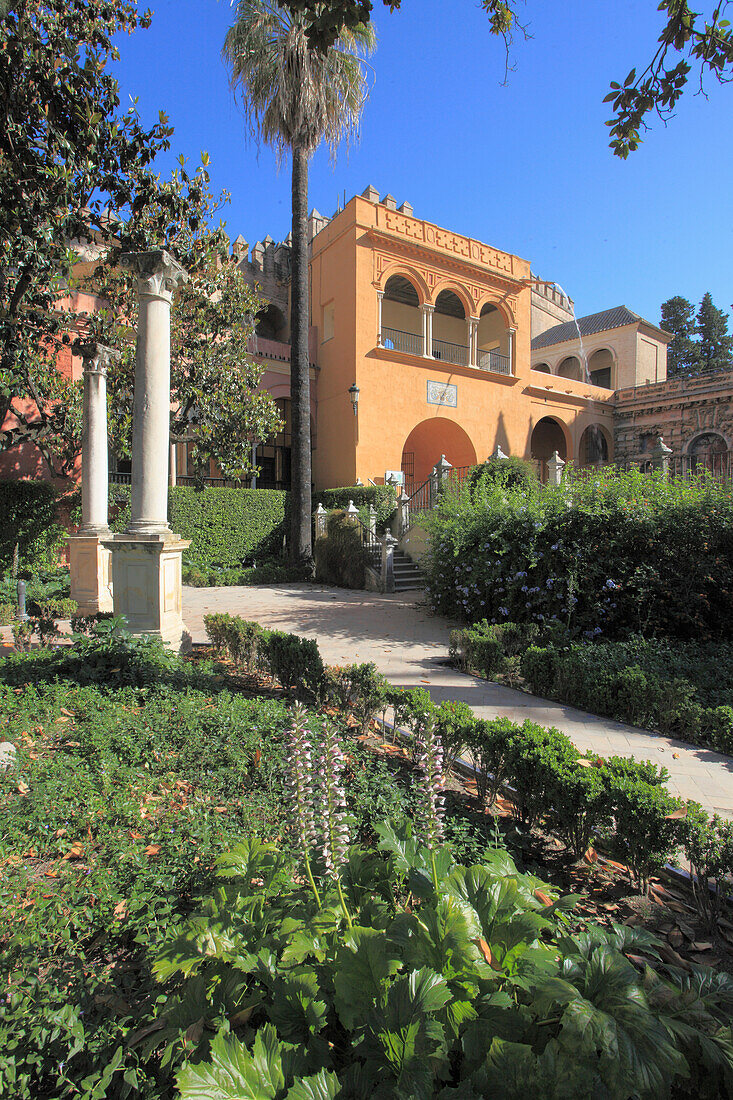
point(717, 463)
point(394, 339)
point(450, 353)
point(117, 478)
point(495, 361)
point(371, 543)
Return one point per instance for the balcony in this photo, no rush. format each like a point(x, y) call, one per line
point(494, 361)
point(396, 340)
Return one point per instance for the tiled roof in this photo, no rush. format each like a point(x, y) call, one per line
point(594, 322)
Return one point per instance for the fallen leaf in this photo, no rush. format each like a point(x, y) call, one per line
point(51, 873)
point(590, 856)
point(542, 897)
point(76, 851)
point(68, 713)
point(675, 756)
point(120, 910)
point(242, 1017)
point(220, 809)
point(702, 946)
point(676, 814)
point(134, 835)
point(152, 849)
point(22, 788)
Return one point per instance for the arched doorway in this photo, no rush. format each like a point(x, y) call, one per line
point(547, 437)
point(709, 451)
point(593, 448)
point(427, 442)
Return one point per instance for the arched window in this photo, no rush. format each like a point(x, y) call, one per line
point(401, 327)
point(542, 367)
point(450, 338)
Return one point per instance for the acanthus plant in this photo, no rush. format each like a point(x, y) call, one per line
point(398, 974)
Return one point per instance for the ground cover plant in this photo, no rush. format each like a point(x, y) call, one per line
point(606, 554)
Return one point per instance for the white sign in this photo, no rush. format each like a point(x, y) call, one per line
point(395, 476)
point(442, 393)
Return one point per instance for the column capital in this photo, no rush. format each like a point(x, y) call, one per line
point(426, 307)
point(97, 358)
point(474, 320)
point(158, 274)
point(380, 294)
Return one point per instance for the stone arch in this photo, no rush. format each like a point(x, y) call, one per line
point(602, 368)
point(550, 434)
point(486, 300)
point(707, 442)
point(270, 323)
point(460, 292)
point(401, 316)
point(594, 445)
point(544, 368)
point(571, 367)
point(406, 272)
point(432, 438)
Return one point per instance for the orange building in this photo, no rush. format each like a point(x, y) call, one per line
point(435, 331)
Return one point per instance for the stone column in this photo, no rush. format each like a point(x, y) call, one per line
point(147, 556)
point(158, 275)
point(427, 330)
point(172, 465)
point(511, 333)
point(473, 341)
point(380, 297)
point(555, 468)
point(320, 516)
point(403, 511)
point(89, 560)
point(372, 521)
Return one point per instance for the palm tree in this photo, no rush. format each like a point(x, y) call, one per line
point(294, 96)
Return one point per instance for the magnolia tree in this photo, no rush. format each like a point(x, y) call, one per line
point(77, 179)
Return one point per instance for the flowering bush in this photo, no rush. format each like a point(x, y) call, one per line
point(606, 554)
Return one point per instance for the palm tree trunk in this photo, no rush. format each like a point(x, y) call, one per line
point(301, 551)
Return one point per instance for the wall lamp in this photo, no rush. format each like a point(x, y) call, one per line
point(354, 395)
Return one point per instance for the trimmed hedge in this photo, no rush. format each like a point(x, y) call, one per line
point(340, 556)
point(29, 517)
point(383, 497)
point(227, 527)
point(603, 681)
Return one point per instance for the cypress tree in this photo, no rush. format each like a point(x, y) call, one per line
point(678, 317)
point(716, 344)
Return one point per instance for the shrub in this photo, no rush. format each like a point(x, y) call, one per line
point(238, 638)
point(646, 833)
point(413, 709)
point(510, 473)
point(358, 688)
point(340, 555)
point(8, 611)
point(607, 554)
point(535, 759)
point(488, 742)
point(580, 804)
point(228, 527)
point(631, 681)
point(381, 497)
point(46, 614)
point(29, 517)
point(709, 848)
point(490, 648)
point(452, 721)
point(296, 662)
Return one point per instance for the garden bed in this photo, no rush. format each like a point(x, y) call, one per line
point(134, 774)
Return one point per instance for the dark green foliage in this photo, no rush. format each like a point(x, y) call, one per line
point(488, 744)
point(510, 472)
point(340, 555)
point(228, 528)
point(641, 681)
point(244, 641)
point(626, 553)
point(382, 497)
point(451, 719)
point(274, 571)
point(678, 317)
point(29, 518)
point(296, 662)
point(646, 836)
point(488, 648)
point(467, 985)
point(715, 350)
point(535, 756)
point(359, 689)
point(709, 848)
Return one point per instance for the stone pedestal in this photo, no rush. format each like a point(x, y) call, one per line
point(90, 564)
point(147, 585)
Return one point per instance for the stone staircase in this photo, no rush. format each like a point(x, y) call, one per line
point(406, 574)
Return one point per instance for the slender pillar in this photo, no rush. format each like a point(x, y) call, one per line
point(147, 556)
point(427, 329)
point(158, 275)
point(511, 333)
point(172, 464)
point(89, 560)
point(380, 296)
point(473, 341)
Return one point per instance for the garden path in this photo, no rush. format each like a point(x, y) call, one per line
point(410, 647)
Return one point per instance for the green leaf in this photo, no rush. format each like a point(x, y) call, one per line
point(363, 965)
point(324, 1086)
point(235, 1073)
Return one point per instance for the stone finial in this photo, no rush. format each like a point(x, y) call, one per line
point(239, 247)
point(258, 254)
point(390, 202)
point(442, 466)
point(359, 481)
point(406, 208)
point(661, 450)
point(498, 453)
point(352, 511)
point(370, 193)
point(555, 467)
point(97, 358)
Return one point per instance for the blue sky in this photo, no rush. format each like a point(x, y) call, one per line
point(523, 166)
